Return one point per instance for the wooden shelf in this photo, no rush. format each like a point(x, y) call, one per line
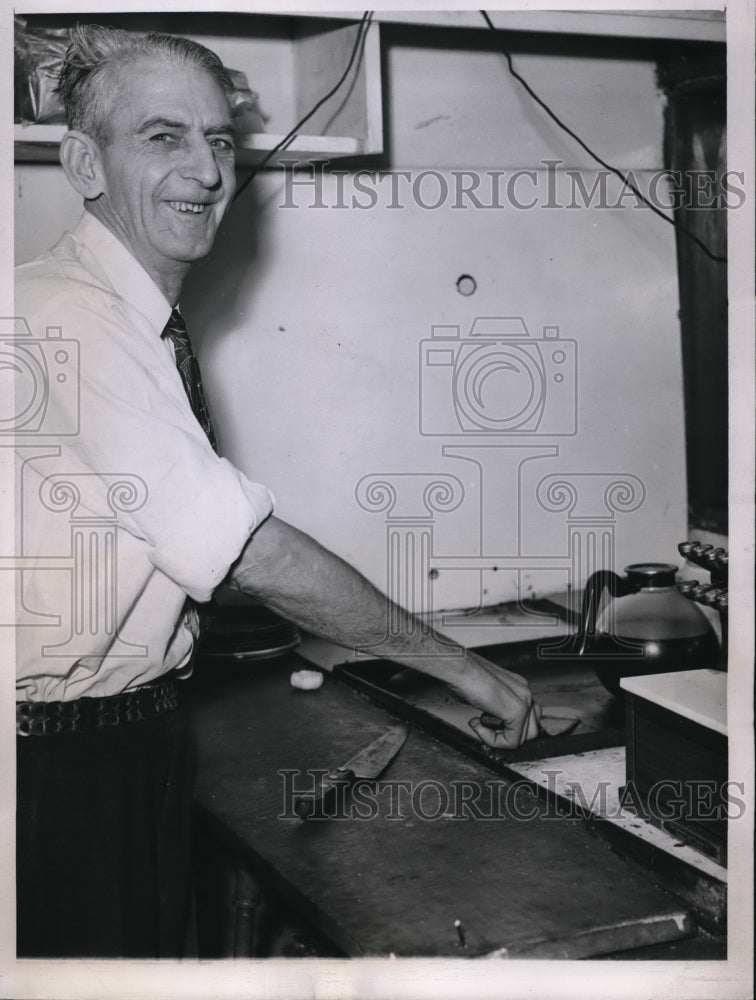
point(309, 54)
point(303, 148)
point(40, 144)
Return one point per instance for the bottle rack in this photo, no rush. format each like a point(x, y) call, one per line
point(713, 594)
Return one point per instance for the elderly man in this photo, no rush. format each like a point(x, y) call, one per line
point(104, 787)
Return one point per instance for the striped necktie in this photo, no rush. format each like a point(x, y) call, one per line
point(186, 362)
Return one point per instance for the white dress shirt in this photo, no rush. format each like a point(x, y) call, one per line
point(124, 508)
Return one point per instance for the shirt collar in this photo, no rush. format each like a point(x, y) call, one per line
point(126, 275)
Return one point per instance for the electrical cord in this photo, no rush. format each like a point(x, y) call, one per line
point(615, 170)
point(357, 48)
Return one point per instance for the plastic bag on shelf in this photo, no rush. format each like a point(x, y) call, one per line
point(38, 57)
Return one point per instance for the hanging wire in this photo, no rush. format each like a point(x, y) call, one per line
point(615, 170)
point(357, 49)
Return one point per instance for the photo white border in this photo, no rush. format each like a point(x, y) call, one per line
point(353, 979)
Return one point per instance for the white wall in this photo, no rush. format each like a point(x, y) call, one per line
point(310, 319)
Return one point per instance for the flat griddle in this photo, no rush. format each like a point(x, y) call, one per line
point(564, 684)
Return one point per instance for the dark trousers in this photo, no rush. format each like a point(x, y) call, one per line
point(104, 841)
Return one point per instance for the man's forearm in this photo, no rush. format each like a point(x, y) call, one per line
point(311, 586)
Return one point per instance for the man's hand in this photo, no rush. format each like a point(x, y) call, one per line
point(312, 587)
point(500, 693)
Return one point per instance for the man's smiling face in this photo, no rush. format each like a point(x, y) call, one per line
point(168, 164)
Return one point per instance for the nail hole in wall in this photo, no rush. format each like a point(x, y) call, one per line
point(466, 284)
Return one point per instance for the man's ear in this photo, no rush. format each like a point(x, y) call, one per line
point(80, 158)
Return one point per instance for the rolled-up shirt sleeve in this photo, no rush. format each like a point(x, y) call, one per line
point(195, 541)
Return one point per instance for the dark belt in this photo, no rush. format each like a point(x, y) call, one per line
point(84, 715)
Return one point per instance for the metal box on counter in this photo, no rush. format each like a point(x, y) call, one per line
point(677, 775)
